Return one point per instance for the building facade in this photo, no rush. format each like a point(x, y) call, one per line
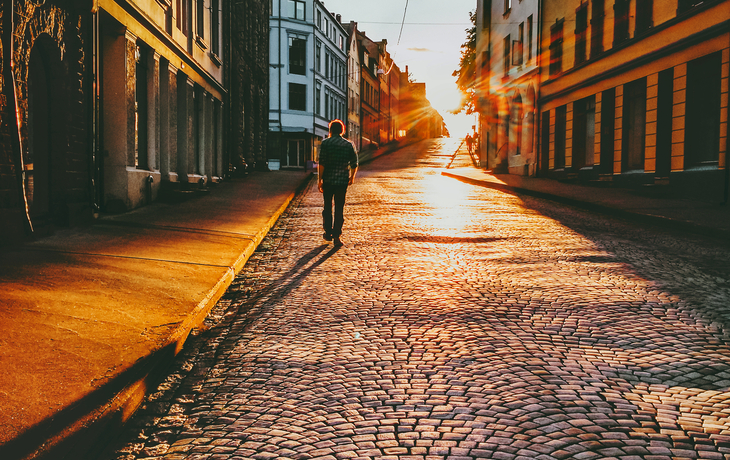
point(369, 92)
point(308, 79)
point(45, 169)
point(125, 102)
point(247, 80)
point(507, 79)
point(353, 86)
point(636, 93)
point(159, 76)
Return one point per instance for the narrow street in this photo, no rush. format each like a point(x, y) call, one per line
point(457, 322)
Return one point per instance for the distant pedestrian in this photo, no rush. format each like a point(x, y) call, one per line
point(337, 167)
point(469, 143)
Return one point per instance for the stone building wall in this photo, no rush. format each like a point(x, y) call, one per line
point(249, 83)
point(55, 35)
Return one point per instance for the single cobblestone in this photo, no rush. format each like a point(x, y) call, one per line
point(456, 323)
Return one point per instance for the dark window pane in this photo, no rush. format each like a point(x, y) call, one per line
point(297, 96)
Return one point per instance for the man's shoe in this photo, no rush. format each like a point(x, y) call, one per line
point(338, 242)
point(327, 236)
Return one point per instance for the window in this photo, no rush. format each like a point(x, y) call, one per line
point(621, 21)
point(597, 28)
point(185, 16)
point(556, 48)
point(560, 124)
point(506, 56)
point(140, 109)
point(317, 56)
point(297, 9)
point(486, 14)
point(686, 5)
point(297, 55)
point(529, 38)
point(634, 126)
point(581, 33)
point(200, 16)
point(297, 96)
point(644, 15)
point(608, 122)
point(507, 6)
point(702, 135)
point(318, 98)
point(584, 132)
point(319, 20)
point(178, 14)
point(342, 43)
point(517, 51)
point(215, 29)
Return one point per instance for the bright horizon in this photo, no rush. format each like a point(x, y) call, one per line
point(430, 44)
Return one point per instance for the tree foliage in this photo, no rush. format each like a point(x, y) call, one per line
point(466, 73)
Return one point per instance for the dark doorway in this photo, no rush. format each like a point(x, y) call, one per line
point(608, 123)
point(560, 119)
point(545, 142)
point(43, 155)
point(702, 141)
point(584, 127)
point(664, 123)
point(634, 126)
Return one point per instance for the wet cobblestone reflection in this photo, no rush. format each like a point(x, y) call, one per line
point(456, 323)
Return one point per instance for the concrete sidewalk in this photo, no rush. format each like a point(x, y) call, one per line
point(700, 217)
point(88, 317)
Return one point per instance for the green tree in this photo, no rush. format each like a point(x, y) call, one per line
point(466, 73)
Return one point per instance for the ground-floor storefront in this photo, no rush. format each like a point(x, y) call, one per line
point(659, 126)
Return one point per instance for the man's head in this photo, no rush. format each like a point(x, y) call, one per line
point(336, 128)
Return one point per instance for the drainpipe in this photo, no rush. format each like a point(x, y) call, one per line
point(314, 82)
point(538, 154)
point(229, 71)
point(727, 161)
point(93, 89)
point(278, 66)
point(12, 98)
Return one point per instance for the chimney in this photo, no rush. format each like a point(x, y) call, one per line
point(339, 18)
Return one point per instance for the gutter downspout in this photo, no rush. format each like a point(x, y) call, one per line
point(229, 71)
point(726, 197)
point(12, 98)
point(314, 80)
point(538, 155)
point(278, 66)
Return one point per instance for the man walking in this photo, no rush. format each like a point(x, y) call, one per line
point(337, 168)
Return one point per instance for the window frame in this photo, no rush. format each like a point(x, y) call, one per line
point(581, 33)
point(300, 93)
point(294, 10)
point(506, 54)
point(299, 68)
point(555, 65)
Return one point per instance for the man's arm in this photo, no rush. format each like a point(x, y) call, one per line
point(353, 170)
point(320, 173)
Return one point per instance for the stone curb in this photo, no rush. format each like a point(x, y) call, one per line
point(85, 430)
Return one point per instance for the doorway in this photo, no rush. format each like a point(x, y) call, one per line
point(295, 153)
point(41, 158)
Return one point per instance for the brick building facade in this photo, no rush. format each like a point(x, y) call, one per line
point(124, 102)
point(50, 42)
point(248, 83)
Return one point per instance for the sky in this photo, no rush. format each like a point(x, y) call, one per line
point(430, 43)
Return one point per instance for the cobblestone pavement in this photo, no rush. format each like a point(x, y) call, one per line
point(457, 322)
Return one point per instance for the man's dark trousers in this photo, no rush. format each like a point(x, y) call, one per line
point(337, 192)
